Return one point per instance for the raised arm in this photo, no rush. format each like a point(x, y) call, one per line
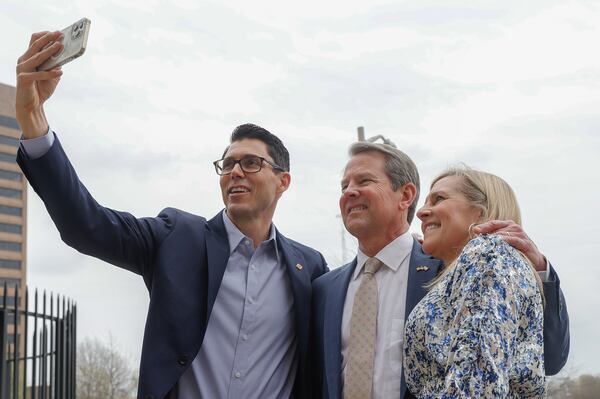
point(116, 237)
point(35, 88)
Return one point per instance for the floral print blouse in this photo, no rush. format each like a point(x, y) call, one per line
point(478, 333)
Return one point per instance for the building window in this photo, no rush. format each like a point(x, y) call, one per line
point(10, 246)
point(10, 228)
point(10, 264)
point(10, 283)
point(10, 158)
point(10, 338)
point(9, 122)
point(11, 210)
point(10, 299)
point(10, 193)
point(10, 175)
point(9, 141)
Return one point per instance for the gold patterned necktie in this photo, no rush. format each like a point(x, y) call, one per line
point(363, 332)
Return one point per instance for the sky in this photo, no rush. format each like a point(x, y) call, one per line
point(507, 87)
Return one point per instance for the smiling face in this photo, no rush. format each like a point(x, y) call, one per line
point(370, 209)
point(446, 218)
point(250, 196)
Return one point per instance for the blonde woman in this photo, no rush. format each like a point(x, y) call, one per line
point(478, 333)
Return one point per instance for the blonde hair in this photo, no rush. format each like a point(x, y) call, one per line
point(490, 193)
point(493, 196)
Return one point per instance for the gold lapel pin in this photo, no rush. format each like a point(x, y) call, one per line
point(422, 268)
point(299, 266)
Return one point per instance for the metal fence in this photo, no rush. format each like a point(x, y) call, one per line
point(37, 345)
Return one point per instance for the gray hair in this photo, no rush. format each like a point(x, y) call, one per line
point(399, 168)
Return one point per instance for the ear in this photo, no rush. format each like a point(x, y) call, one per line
point(284, 182)
point(482, 218)
point(407, 195)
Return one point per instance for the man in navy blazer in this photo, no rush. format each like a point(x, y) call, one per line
point(380, 189)
point(229, 297)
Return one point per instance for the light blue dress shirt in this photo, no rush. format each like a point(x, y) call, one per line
point(249, 350)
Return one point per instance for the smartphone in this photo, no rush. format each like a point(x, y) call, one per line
point(74, 40)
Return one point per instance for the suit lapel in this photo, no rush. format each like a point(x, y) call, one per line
point(299, 275)
point(332, 328)
point(217, 249)
point(422, 269)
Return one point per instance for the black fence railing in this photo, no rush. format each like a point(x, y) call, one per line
point(37, 345)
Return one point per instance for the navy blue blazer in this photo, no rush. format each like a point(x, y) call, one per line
point(181, 257)
point(329, 295)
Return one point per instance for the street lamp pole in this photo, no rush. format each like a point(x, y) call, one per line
point(361, 137)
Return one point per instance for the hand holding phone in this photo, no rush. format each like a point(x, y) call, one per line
point(74, 39)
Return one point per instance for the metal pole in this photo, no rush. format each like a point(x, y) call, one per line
point(361, 137)
point(26, 340)
point(343, 238)
point(52, 393)
point(361, 133)
point(17, 350)
point(3, 342)
point(44, 352)
point(34, 346)
point(74, 351)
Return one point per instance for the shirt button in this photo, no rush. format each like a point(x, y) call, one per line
point(182, 360)
point(252, 267)
point(238, 374)
point(245, 337)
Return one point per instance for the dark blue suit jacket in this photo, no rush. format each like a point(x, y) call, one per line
point(329, 295)
point(181, 257)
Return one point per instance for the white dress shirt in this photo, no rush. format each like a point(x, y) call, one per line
point(392, 285)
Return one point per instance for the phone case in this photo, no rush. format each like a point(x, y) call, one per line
point(74, 40)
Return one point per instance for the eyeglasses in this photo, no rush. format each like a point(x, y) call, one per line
point(249, 164)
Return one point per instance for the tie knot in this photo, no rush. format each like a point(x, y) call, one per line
point(372, 265)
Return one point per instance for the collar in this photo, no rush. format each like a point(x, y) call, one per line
point(392, 255)
point(235, 236)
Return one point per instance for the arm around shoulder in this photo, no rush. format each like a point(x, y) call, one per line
point(556, 325)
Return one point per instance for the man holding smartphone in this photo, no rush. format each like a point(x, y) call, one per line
point(229, 297)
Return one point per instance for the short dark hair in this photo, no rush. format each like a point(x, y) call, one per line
point(399, 168)
point(275, 147)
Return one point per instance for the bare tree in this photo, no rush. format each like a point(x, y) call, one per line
point(102, 372)
point(583, 387)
